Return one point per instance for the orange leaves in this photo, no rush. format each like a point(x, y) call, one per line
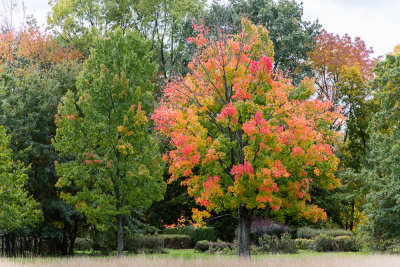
point(228, 115)
point(34, 46)
point(212, 192)
point(242, 169)
point(239, 136)
point(8, 44)
point(332, 52)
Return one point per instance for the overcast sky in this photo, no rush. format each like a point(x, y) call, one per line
point(377, 22)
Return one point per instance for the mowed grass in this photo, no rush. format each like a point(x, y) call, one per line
point(183, 258)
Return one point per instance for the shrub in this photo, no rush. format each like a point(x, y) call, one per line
point(274, 244)
point(176, 241)
point(325, 243)
point(273, 230)
point(83, 244)
point(302, 243)
point(144, 243)
point(212, 247)
point(310, 233)
point(196, 234)
point(338, 232)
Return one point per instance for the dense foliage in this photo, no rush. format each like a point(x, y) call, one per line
point(233, 128)
point(260, 114)
point(111, 160)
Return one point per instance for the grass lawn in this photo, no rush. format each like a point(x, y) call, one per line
point(189, 257)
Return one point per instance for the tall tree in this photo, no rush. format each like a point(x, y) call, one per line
point(243, 140)
point(343, 67)
point(112, 165)
point(35, 73)
point(79, 22)
point(333, 52)
point(18, 209)
point(382, 164)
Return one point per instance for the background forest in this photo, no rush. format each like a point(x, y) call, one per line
point(130, 124)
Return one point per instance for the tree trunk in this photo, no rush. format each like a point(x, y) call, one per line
point(120, 236)
point(352, 215)
point(245, 217)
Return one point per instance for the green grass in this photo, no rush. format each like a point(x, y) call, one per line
point(193, 254)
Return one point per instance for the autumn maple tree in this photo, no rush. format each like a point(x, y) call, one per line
point(245, 139)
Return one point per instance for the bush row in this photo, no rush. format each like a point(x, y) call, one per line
point(196, 234)
point(310, 233)
point(259, 232)
point(145, 243)
point(274, 244)
point(325, 243)
point(203, 246)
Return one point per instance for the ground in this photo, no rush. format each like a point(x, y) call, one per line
point(183, 258)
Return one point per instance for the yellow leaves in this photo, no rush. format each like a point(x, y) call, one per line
point(143, 171)
point(198, 216)
point(121, 128)
point(58, 224)
point(80, 206)
point(396, 50)
point(125, 149)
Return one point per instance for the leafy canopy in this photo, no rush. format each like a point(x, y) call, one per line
point(18, 209)
point(112, 163)
point(242, 136)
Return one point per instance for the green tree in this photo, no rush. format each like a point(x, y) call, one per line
point(35, 73)
point(382, 164)
point(18, 208)
point(112, 165)
point(79, 22)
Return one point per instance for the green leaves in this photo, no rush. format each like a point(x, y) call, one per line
point(112, 165)
point(382, 165)
point(18, 209)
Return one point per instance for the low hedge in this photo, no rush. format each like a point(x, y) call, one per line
point(302, 243)
point(83, 244)
point(258, 232)
point(176, 241)
point(206, 246)
point(196, 234)
point(325, 243)
point(144, 243)
point(311, 233)
point(156, 243)
point(274, 244)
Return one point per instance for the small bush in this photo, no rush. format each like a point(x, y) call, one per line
point(324, 243)
point(212, 247)
point(258, 232)
point(176, 241)
point(196, 234)
point(83, 244)
point(302, 243)
point(274, 244)
point(144, 243)
point(310, 233)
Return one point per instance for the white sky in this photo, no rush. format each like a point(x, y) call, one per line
point(377, 22)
